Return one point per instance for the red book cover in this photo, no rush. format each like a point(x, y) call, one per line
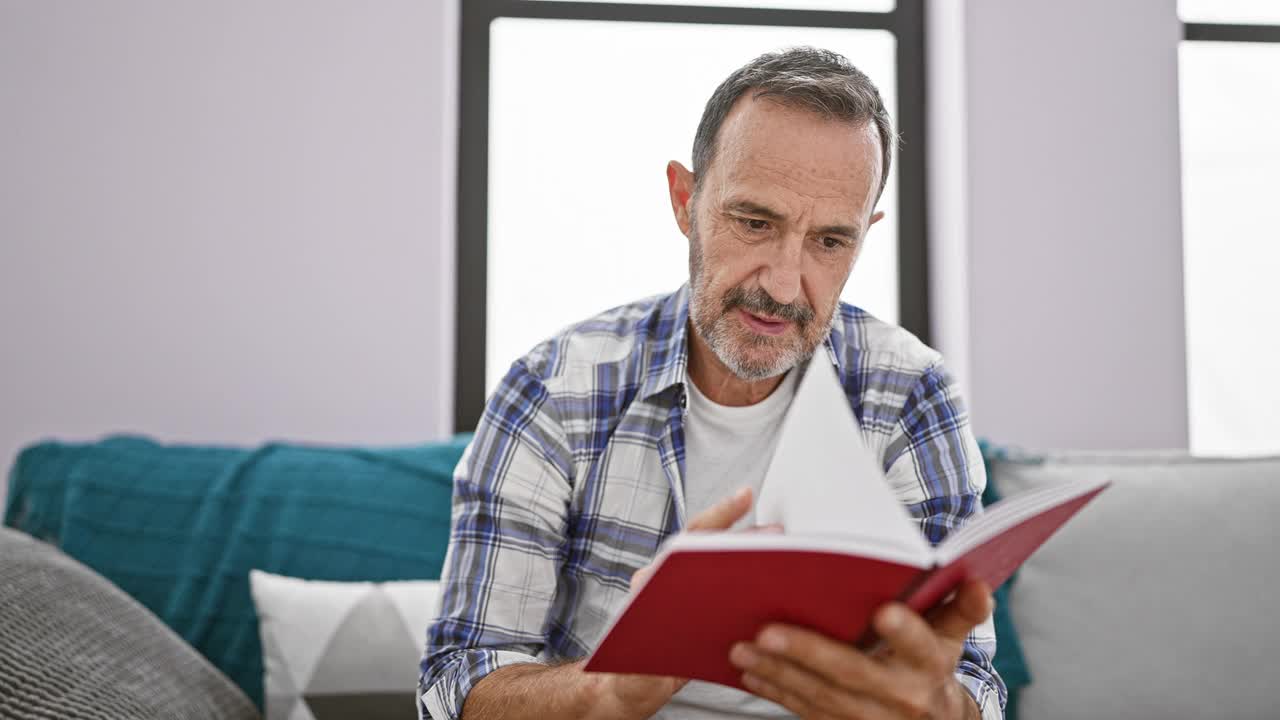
point(699, 603)
point(709, 591)
point(849, 548)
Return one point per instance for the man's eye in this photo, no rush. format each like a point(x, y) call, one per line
point(755, 225)
point(831, 243)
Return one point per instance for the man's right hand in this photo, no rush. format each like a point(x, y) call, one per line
point(532, 690)
point(642, 695)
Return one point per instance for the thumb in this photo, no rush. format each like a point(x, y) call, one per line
point(723, 514)
point(968, 609)
point(720, 516)
point(640, 577)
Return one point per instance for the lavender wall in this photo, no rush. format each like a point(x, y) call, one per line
point(1057, 251)
point(226, 222)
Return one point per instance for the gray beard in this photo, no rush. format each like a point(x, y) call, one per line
point(716, 332)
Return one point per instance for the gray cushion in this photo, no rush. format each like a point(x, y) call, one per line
point(75, 646)
point(1157, 601)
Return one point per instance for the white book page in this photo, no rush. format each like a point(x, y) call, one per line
point(853, 545)
point(823, 481)
point(1010, 512)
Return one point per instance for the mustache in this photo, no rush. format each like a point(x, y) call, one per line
point(759, 302)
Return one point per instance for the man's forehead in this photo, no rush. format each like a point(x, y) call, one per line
point(830, 181)
point(839, 193)
point(766, 144)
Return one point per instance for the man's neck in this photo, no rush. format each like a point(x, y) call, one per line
point(718, 383)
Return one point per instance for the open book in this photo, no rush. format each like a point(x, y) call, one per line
point(849, 546)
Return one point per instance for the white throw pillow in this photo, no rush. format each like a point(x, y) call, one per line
point(341, 649)
point(1158, 599)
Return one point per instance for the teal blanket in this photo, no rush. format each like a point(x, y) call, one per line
point(1009, 661)
point(179, 527)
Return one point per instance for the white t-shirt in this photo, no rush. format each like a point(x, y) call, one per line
point(726, 448)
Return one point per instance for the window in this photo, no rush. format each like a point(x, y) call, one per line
point(871, 5)
point(569, 113)
point(1230, 106)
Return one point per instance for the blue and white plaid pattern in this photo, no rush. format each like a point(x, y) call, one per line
point(575, 476)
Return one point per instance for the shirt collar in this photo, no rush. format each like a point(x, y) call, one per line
point(668, 347)
point(836, 339)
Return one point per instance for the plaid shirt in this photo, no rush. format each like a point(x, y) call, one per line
point(575, 476)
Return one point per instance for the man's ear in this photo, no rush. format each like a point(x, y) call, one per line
point(877, 216)
point(680, 184)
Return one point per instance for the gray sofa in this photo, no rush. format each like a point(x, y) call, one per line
point(1156, 601)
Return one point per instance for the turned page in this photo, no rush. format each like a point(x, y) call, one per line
point(1024, 507)
point(823, 482)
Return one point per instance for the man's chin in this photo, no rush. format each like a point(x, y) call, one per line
point(753, 366)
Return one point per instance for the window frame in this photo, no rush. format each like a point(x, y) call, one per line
point(906, 22)
point(1230, 32)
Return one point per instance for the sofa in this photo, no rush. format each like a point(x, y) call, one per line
point(1152, 603)
point(1157, 600)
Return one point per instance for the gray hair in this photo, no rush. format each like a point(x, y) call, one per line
point(804, 77)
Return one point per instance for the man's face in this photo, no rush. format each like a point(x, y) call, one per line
point(774, 231)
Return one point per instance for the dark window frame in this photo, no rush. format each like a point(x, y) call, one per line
point(906, 21)
point(1230, 32)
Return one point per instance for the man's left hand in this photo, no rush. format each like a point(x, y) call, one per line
point(911, 676)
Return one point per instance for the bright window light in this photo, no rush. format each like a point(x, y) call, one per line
point(584, 116)
point(1230, 11)
point(1230, 97)
point(847, 5)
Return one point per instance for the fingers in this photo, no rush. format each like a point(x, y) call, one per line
point(797, 688)
point(816, 676)
point(833, 661)
point(938, 642)
point(968, 609)
point(907, 636)
point(720, 516)
point(723, 514)
point(640, 577)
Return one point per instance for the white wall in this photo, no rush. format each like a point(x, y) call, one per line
point(1058, 193)
point(225, 222)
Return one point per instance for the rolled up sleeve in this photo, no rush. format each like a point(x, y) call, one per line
point(510, 504)
point(977, 676)
point(937, 465)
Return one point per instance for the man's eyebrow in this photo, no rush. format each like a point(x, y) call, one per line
point(751, 208)
point(852, 231)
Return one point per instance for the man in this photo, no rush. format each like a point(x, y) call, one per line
point(640, 422)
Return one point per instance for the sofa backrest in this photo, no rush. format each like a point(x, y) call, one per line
point(1158, 600)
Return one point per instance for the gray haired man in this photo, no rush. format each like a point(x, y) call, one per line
point(635, 424)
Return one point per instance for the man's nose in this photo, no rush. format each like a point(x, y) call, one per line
point(780, 277)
